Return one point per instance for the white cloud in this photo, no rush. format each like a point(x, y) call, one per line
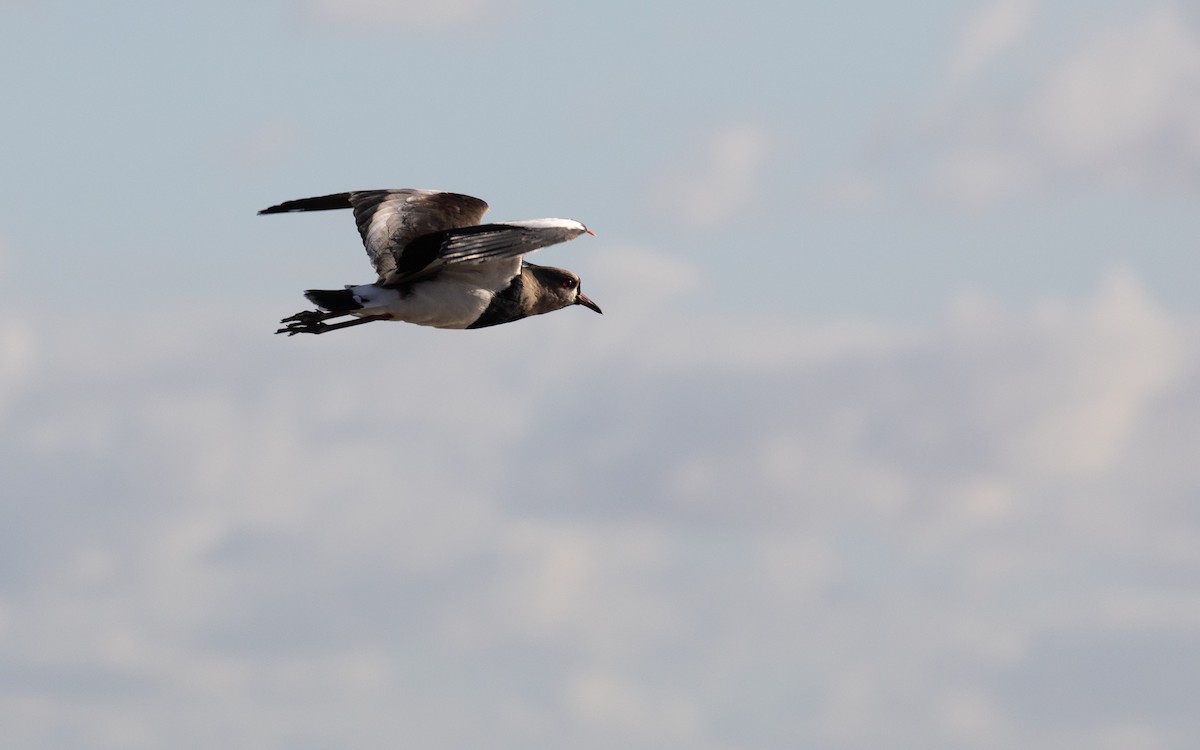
point(1101, 362)
point(1127, 103)
point(720, 181)
point(402, 14)
point(17, 353)
point(991, 31)
point(1121, 109)
point(641, 530)
point(620, 707)
point(663, 279)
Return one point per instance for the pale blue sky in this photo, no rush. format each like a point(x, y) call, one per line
point(887, 436)
point(141, 137)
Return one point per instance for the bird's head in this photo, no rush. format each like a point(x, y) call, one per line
point(557, 288)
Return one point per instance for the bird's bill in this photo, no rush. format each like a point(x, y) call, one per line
point(583, 300)
point(589, 231)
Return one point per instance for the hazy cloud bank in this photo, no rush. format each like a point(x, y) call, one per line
point(643, 529)
point(1119, 109)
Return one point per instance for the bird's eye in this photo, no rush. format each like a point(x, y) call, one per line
point(568, 284)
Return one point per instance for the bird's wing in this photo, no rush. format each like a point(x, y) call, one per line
point(473, 246)
point(390, 220)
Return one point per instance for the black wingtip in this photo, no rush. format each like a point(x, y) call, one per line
point(319, 203)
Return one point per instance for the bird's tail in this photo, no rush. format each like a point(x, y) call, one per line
point(334, 300)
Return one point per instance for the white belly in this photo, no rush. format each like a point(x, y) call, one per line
point(455, 299)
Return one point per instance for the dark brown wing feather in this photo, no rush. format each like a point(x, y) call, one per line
point(389, 220)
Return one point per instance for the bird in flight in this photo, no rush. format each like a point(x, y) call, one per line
point(438, 265)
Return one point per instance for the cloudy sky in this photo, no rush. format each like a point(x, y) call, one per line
point(888, 436)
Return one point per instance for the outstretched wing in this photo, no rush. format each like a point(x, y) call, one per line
point(481, 246)
point(390, 220)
